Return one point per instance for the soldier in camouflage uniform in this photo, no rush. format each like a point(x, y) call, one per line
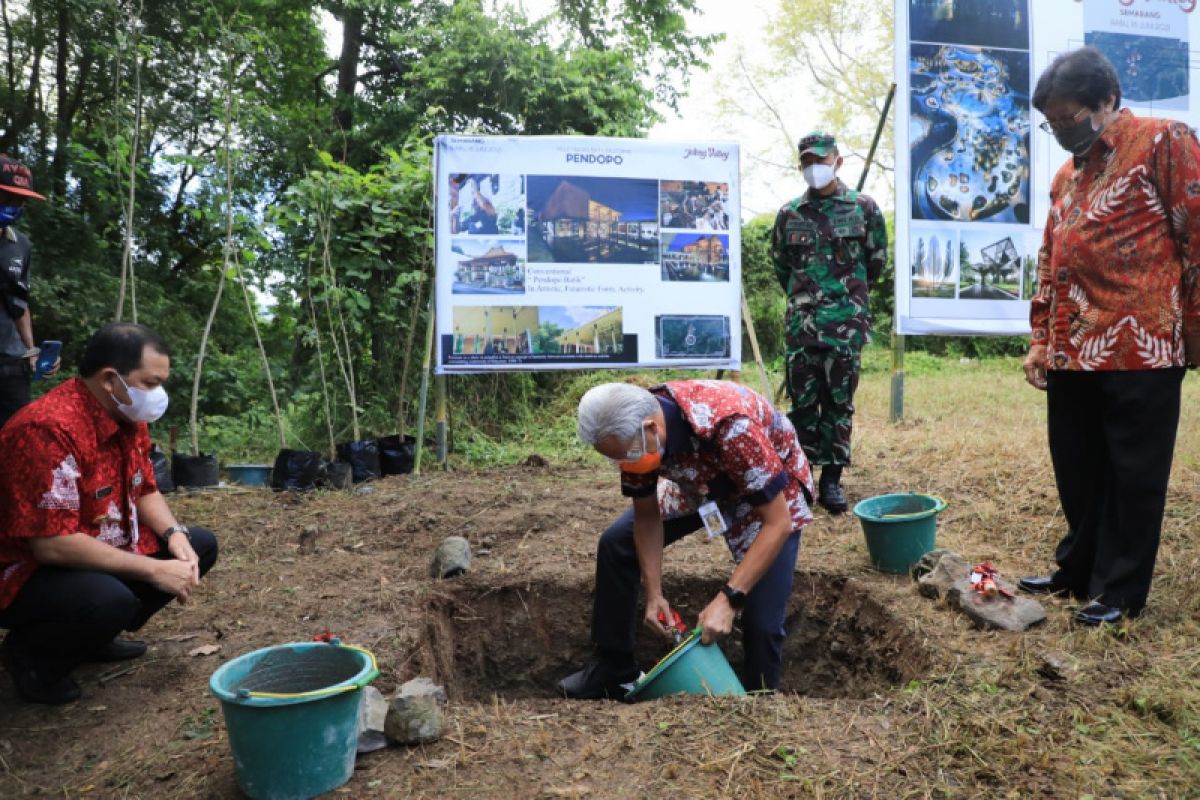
point(827, 246)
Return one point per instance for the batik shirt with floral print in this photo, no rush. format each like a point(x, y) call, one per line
point(727, 444)
point(69, 467)
point(1119, 266)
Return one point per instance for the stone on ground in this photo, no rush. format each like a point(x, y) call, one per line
point(948, 570)
point(452, 558)
point(414, 715)
point(371, 720)
point(926, 563)
point(944, 573)
point(1015, 613)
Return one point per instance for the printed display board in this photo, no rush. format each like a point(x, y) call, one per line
point(574, 252)
point(973, 169)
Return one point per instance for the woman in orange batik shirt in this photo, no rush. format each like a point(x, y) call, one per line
point(1115, 320)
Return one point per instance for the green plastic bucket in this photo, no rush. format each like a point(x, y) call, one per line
point(691, 668)
point(291, 712)
point(899, 528)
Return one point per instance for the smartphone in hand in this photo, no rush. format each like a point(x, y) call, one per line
point(50, 350)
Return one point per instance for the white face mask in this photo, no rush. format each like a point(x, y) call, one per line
point(818, 176)
point(144, 405)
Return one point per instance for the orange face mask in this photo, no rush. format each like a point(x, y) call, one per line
point(646, 462)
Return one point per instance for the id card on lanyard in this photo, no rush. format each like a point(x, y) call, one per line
point(714, 521)
point(134, 493)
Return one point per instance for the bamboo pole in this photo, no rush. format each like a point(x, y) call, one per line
point(423, 403)
point(345, 362)
point(127, 275)
point(439, 383)
point(312, 312)
point(762, 370)
point(896, 402)
point(194, 411)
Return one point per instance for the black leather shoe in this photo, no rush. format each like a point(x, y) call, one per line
point(1043, 584)
point(597, 681)
point(33, 684)
point(118, 650)
point(1095, 613)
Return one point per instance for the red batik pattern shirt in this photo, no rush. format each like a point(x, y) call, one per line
point(1119, 266)
point(68, 467)
point(739, 452)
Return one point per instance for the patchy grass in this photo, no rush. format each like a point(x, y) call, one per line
point(1055, 712)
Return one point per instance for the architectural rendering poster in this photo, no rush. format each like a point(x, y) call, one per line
point(581, 253)
point(973, 169)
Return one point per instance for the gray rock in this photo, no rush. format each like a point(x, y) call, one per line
point(926, 563)
point(1015, 613)
point(949, 569)
point(452, 558)
point(371, 718)
point(1055, 666)
point(308, 540)
point(414, 715)
point(370, 741)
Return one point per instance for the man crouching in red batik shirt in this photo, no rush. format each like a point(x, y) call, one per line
point(88, 547)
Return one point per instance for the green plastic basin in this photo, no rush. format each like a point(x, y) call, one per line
point(291, 713)
point(899, 528)
point(691, 668)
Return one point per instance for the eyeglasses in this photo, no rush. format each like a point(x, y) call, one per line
point(631, 455)
point(1051, 127)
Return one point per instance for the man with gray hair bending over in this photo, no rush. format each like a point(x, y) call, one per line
point(694, 454)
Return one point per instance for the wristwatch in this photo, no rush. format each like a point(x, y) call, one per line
point(166, 535)
point(736, 597)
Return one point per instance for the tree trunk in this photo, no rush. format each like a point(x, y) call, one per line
point(24, 114)
point(347, 81)
point(62, 94)
point(10, 75)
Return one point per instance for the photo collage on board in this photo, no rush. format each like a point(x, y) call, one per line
point(500, 224)
point(1150, 52)
point(695, 221)
point(969, 149)
point(497, 228)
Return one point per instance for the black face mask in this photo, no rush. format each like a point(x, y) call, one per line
point(1078, 138)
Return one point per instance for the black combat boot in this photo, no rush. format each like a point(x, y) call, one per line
point(829, 489)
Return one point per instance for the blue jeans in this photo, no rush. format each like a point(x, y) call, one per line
point(618, 579)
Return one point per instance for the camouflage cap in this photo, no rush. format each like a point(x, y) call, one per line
point(820, 143)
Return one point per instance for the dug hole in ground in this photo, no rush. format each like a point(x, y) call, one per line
point(885, 693)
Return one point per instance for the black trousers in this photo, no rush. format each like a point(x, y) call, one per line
point(618, 581)
point(1112, 437)
point(61, 615)
point(15, 391)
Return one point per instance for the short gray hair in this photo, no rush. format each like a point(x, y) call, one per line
point(614, 409)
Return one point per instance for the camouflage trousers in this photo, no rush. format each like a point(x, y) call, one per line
point(821, 383)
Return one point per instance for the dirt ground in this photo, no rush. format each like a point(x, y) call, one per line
point(886, 693)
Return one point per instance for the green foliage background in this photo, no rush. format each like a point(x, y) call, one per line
point(328, 210)
point(330, 197)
